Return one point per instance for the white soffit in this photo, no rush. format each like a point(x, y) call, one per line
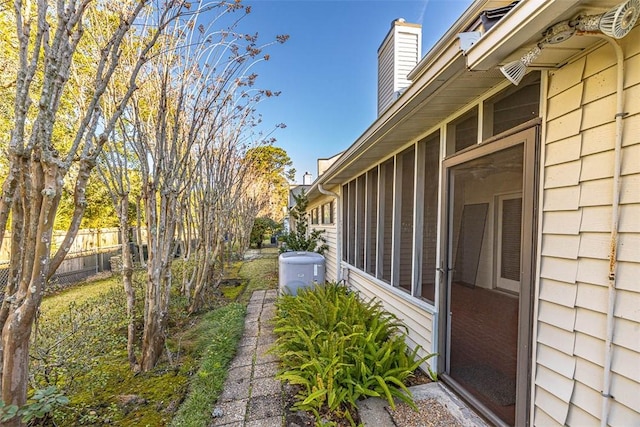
point(521, 28)
point(524, 23)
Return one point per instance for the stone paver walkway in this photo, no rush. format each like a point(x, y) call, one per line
point(252, 397)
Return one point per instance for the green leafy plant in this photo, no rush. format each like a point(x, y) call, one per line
point(67, 344)
point(38, 408)
point(7, 412)
point(300, 238)
point(340, 349)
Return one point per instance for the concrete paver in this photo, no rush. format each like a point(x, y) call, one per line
point(251, 396)
point(233, 412)
point(261, 407)
point(265, 370)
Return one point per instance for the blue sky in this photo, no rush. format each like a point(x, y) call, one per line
point(327, 70)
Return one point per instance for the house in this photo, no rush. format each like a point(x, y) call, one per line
point(494, 207)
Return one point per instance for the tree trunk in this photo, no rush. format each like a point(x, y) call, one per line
point(161, 219)
point(15, 342)
point(140, 245)
point(152, 338)
point(203, 279)
point(156, 313)
point(127, 281)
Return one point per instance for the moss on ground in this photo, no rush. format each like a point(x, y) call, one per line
point(232, 291)
point(109, 393)
point(115, 395)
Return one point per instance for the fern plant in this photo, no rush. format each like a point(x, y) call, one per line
point(340, 349)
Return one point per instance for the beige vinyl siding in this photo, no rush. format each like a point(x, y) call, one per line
point(576, 225)
point(418, 321)
point(330, 234)
point(331, 269)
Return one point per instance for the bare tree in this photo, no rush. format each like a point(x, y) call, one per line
point(202, 89)
point(115, 167)
point(48, 42)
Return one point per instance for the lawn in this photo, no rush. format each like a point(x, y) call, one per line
point(80, 347)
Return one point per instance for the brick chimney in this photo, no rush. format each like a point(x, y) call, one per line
point(398, 54)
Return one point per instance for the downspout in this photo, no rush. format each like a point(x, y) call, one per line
point(338, 229)
point(613, 245)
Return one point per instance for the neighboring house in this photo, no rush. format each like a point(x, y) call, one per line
point(484, 214)
point(296, 190)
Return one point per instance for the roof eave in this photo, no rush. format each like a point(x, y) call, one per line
point(461, 24)
point(525, 21)
point(443, 64)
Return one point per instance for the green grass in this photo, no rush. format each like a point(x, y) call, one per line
point(54, 305)
point(232, 292)
point(215, 337)
point(218, 335)
point(261, 273)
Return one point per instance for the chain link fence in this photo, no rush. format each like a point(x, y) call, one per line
point(72, 270)
point(4, 274)
point(89, 255)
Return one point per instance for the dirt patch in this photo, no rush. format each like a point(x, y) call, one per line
point(294, 418)
point(303, 418)
point(430, 413)
point(418, 377)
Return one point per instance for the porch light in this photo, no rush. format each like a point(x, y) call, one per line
point(515, 71)
point(615, 23)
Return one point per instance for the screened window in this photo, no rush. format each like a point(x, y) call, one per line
point(345, 222)
point(463, 132)
point(430, 148)
point(513, 106)
point(351, 252)
point(391, 210)
point(360, 227)
point(385, 249)
point(371, 221)
point(405, 194)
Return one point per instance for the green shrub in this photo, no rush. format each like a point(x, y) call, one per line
point(300, 238)
point(340, 349)
point(68, 343)
point(38, 409)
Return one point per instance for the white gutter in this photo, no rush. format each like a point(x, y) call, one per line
point(338, 229)
point(524, 22)
point(620, 114)
point(450, 37)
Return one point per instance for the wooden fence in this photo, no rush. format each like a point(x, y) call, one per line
point(90, 253)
